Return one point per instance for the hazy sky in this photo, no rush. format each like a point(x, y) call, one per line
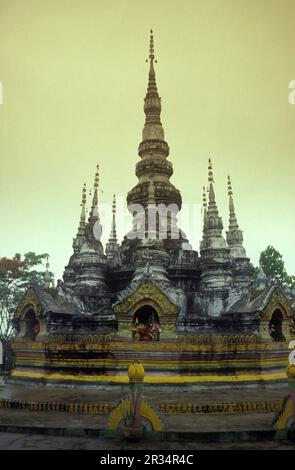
point(74, 77)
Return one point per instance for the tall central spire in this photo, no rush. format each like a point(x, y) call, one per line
point(152, 104)
point(153, 133)
point(154, 169)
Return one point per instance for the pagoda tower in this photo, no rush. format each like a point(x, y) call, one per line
point(242, 268)
point(215, 262)
point(154, 170)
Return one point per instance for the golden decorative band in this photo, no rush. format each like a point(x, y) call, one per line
point(240, 407)
point(152, 379)
point(167, 409)
point(199, 345)
point(68, 407)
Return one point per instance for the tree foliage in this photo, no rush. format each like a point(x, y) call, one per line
point(15, 275)
point(272, 263)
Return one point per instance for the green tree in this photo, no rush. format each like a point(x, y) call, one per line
point(272, 263)
point(15, 276)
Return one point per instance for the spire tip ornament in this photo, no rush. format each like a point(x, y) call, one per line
point(210, 172)
point(151, 58)
point(229, 187)
point(96, 179)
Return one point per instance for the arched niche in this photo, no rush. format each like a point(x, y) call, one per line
point(146, 323)
point(275, 326)
point(31, 324)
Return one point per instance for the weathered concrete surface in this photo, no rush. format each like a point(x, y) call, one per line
point(183, 423)
point(156, 395)
point(65, 430)
point(14, 441)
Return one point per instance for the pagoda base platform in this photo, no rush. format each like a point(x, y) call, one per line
point(224, 362)
point(203, 416)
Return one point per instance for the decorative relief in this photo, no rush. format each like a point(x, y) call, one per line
point(147, 293)
point(219, 339)
point(151, 346)
point(277, 300)
point(123, 409)
point(68, 407)
point(165, 408)
point(204, 408)
point(30, 300)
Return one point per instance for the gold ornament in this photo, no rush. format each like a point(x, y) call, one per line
point(136, 372)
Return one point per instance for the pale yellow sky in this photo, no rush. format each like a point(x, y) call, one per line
point(74, 78)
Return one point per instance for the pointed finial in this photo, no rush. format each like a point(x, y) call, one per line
point(83, 205)
point(84, 190)
point(232, 215)
point(96, 179)
point(210, 172)
point(77, 241)
point(93, 215)
point(204, 198)
point(204, 208)
point(48, 281)
point(151, 58)
point(234, 235)
point(113, 234)
point(229, 187)
point(114, 204)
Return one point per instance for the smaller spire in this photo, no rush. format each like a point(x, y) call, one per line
point(204, 199)
point(204, 208)
point(94, 205)
point(229, 187)
point(113, 234)
point(213, 226)
point(83, 205)
point(212, 202)
point(94, 228)
point(112, 247)
point(48, 278)
point(234, 236)
point(233, 223)
point(78, 240)
point(210, 172)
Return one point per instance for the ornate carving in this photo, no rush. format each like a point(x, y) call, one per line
point(68, 407)
point(123, 409)
point(164, 345)
point(277, 300)
point(205, 408)
point(30, 300)
point(147, 293)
